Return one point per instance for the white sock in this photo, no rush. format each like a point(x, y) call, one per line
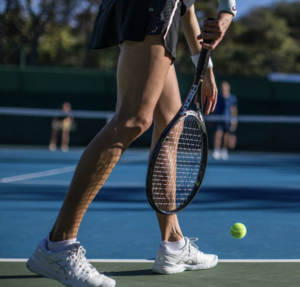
point(59, 245)
point(172, 247)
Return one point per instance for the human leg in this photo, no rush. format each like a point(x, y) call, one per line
point(142, 71)
point(224, 153)
point(65, 140)
point(175, 253)
point(218, 143)
point(53, 140)
point(66, 127)
point(226, 140)
point(166, 108)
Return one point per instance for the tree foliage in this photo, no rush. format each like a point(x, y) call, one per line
point(56, 33)
point(259, 43)
point(24, 23)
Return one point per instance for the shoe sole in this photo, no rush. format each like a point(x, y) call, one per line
point(183, 267)
point(31, 266)
point(34, 268)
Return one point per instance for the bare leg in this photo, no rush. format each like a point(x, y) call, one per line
point(67, 122)
point(142, 70)
point(218, 139)
point(224, 152)
point(226, 140)
point(166, 108)
point(53, 141)
point(65, 138)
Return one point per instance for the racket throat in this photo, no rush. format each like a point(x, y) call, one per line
point(199, 111)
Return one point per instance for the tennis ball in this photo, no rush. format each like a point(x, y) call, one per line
point(238, 230)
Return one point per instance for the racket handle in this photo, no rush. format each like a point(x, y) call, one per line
point(203, 58)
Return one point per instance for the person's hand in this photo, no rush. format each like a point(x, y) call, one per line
point(215, 30)
point(209, 91)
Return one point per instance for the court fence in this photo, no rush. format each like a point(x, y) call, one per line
point(29, 126)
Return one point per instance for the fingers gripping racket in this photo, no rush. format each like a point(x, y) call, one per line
point(178, 161)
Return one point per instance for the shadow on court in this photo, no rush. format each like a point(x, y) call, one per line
point(20, 277)
point(142, 272)
point(260, 190)
point(209, 198)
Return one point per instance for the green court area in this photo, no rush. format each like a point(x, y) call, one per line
point(137, 274)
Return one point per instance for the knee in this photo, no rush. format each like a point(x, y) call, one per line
point(142, 123)
point(135, 125)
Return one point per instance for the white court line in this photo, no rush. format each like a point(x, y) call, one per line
point(151, 261)
point(38, 174)
point(259, 260)
point(63, 170)
point(46, 182)
point(220, 260)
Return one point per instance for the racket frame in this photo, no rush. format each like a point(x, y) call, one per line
point(181, 114)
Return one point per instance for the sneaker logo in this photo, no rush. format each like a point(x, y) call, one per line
point(184, 260)
point(53, 264)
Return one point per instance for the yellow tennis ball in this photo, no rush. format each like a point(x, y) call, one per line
point(238, 230)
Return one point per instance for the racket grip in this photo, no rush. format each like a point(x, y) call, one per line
point(203, 58)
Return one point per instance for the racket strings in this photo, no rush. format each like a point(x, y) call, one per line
point(177, 165)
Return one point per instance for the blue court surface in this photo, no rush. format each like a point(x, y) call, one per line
point(261, 190)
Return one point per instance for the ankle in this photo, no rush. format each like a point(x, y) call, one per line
point(173, 237)
point(57, 236)
point(172, 247)
point(55, 246)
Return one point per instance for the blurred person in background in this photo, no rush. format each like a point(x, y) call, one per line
point(61, 124)
point(225, 137)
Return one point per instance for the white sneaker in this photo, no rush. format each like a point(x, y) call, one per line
point(224, 154)
point(52, 147)
point(189, 259)
point(216, 154)
point(68, 266)
point(64, 148)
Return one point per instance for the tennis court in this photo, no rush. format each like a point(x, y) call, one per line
point(56, 94)
point(120, 231)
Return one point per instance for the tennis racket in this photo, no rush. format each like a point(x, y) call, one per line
point(178, 161)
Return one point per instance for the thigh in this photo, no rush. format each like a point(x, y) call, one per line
point(142, 71)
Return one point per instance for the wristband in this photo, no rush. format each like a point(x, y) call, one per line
point(227, 6)
point(195, 59)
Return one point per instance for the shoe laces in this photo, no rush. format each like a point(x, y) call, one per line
point(193, 248)
point(77, 259)
point(192, 252)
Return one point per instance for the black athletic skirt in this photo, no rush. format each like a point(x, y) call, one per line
point(132, 20)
